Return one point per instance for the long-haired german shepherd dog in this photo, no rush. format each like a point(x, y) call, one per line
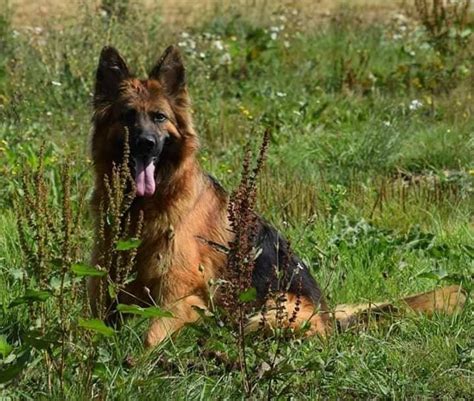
point(173, 191)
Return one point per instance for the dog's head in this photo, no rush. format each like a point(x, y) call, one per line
point(154, 111)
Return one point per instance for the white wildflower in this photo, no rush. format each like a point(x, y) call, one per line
point(401, 18)
point(225, 59)
point(415, 105)
point(218, 45)
point(56, 83)
point(281, 94)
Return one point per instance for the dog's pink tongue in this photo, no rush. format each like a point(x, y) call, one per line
point(145, 179)
point(150, 179)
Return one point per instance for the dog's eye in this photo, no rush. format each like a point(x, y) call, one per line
point(158, 118)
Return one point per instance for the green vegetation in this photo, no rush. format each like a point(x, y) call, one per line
point(369, 174)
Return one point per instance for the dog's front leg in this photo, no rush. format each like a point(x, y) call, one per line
point(183, 312)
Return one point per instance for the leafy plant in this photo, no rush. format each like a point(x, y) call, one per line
point(445, 20)
point(375, 193)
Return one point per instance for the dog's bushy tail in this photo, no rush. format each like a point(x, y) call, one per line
point(448, 300)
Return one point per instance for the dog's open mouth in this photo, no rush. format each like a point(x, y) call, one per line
point(145, 177)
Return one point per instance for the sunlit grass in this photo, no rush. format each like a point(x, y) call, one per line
point(369, 174)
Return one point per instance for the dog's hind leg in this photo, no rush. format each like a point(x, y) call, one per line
point(183, 312)
point(297, 314)
point(294, 312)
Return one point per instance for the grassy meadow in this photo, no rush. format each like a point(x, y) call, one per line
point(370, 174)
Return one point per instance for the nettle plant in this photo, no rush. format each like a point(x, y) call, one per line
point(61, 331)
point(260, 356)
point(65, 337)
point(49, 218)
point(445, 21)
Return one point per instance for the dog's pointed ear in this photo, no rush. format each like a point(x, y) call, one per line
point(111, 71)
point(169, 71)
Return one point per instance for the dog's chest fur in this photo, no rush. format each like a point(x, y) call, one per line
point(175, 256)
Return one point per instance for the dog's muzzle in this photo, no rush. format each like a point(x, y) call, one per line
point(145, 152)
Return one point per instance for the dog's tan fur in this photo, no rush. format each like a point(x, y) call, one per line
point(173, 266)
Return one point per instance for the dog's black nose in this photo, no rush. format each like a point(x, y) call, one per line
point(146, 143)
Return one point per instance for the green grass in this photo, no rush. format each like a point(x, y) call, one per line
point(376, 198)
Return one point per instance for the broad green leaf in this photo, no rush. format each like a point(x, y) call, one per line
point(151, 311)
point(11, 372)
point(433, 275)
point(14, 370)
point(96, 325)
point(31, 296)
point(82, 269)
point(57, 262)
point(38, 340)
point(126, 245)
point(100, 370)
point(5, 348)
point(249, 295)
